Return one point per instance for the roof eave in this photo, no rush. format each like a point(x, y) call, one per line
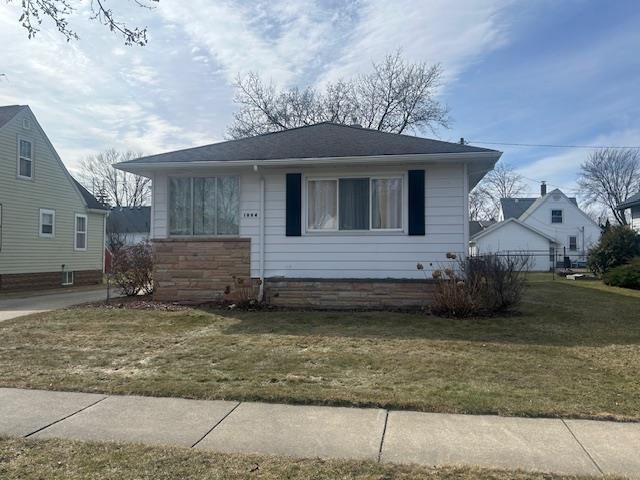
point(142, 167)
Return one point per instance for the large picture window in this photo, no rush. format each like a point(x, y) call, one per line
point(204, 205)
point(360, 203)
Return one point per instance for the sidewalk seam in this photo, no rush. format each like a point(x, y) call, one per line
point(64, 418)
point(218, 423)
point(384, 432)
point(583, 447)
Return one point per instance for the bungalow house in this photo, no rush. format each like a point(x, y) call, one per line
point(633, 203)
point(51, 228)
point(325, 215)
point(550, 229)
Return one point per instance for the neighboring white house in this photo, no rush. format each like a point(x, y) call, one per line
point(51, 228)
point(128, 225)
point(318, 213)
point(551, 229)
point(633, 203)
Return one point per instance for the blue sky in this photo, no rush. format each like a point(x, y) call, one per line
point(541, 72)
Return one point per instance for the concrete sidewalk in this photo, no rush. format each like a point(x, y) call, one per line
point(548, 445)
point(13, 306)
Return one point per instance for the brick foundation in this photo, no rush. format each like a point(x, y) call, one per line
point(349, 293)
point(199, 269)
point(46, 280)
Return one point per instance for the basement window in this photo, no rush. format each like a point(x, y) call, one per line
point(67, 278)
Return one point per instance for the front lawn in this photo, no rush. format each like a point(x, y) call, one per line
point(574, 352)
point(66, 460)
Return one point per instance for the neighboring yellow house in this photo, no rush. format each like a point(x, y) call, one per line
point(51, 228)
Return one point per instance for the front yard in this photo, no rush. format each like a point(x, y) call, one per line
point(66, 460)
point(573, 352)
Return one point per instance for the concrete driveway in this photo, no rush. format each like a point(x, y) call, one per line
point(14, 305)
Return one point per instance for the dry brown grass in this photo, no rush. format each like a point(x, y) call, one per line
point(574, 351)
point(66, 460)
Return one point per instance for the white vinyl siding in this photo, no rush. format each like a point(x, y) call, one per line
point(23, 249)
point(366, 254)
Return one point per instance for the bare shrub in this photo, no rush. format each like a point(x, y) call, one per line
point(480, 286)
point(133, 269)
point(243, 293)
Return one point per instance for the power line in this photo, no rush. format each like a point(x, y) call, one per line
point(552, 146)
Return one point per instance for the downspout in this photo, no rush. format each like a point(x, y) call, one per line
point(465, 213)
point(261, 229)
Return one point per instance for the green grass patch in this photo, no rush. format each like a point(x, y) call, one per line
point(67, 460)
point(573, 351)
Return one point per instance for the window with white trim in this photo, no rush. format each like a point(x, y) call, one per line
point(355, 203)
point(204, 205)
point(81, 232)
point(556, 216)
point(47, 222)
point(573, 243)
point(25, 158)
point(67, 278)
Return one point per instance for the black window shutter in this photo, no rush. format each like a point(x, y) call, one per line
point(294, 204)
point(416, 202)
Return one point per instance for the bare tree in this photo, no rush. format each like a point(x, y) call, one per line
point(395, 97)
point(610, 176)
point(480, 205)
point(58, 11)
point(501, 182)
point(121, 189)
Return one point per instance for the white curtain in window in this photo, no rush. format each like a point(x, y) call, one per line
point(228, 205)
point(322, 204)
point(386, 203)
point(180, 206)
point(204, 206)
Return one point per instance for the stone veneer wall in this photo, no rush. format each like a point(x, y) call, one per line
point(44, 280)
point(349, 293)
point(198, 269)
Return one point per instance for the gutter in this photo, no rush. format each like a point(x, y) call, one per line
point(135, 167)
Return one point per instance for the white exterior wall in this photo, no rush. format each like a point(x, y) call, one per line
point(22, 249)
point(574, 223)
point(512, 238)
point(635, 218)
point(337, 254)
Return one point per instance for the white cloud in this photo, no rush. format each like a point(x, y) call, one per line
point(434, 31)
point(279, 39)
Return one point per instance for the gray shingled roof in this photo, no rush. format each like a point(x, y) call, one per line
point(632, 201)
point(129, 220)
point(89, 199)
point(515, 207)
point(8, 112)
point(321, 140)
point(476, 226)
